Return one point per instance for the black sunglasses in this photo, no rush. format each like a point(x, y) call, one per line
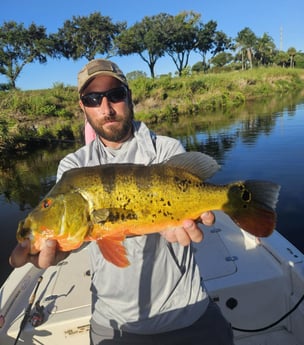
point(94, 99)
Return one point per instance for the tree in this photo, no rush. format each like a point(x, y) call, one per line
point(87, 36)
point(265, 50)
point(205, 39)
point(145, 38)
point(246, 41)
point(199, 67)
point(181, 38)
point(222, 59)
point(210, 40)
point(281, 58)
point(292, 53)
point(299, 58)
point(221, 43)
point(135, 75)
point(20, 46)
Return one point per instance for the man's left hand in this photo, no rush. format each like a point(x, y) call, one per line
point(189, 232)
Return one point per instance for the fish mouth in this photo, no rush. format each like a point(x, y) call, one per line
point(23, 232)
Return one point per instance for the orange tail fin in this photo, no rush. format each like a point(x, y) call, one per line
point(252, 206)
point(258, 221)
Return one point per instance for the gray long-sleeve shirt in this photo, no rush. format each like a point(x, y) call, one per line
point(161, 289)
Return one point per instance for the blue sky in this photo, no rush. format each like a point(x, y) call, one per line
point(279, 19)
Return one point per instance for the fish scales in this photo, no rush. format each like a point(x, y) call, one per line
point(157, 197)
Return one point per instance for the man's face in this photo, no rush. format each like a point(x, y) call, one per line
point(112, 121)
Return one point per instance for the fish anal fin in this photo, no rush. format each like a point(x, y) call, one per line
point(113, 250)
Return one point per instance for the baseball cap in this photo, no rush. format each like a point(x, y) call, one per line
point(99, 67)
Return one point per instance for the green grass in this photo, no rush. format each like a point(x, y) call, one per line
point(54, 114)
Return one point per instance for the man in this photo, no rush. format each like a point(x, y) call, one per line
point(158, 299)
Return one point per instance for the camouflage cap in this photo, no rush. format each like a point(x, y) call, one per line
point(99, 67)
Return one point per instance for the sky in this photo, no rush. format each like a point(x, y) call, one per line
point(282, 20)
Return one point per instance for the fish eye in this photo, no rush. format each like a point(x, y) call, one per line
point(246, 195)
point(46, 203)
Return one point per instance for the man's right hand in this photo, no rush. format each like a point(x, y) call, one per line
point(48, 256)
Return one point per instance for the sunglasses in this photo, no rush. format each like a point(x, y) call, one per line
point(94, 99)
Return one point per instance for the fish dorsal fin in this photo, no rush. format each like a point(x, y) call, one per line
point(197, 163)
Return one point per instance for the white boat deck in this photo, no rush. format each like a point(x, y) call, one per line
point(265, 279)
point(277, 337)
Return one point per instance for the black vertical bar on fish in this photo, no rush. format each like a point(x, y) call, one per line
point(108, 178)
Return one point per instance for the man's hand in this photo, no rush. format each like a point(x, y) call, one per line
point(48, 256)
point(190, 232)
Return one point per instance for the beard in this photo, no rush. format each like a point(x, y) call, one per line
point(116, 128)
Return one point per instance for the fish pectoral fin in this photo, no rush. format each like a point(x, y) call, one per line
point(101, 215)
point(112, 215)
point(113, 250)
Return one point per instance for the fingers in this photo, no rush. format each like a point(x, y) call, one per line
point(184, 235)
point(48, 256)
point(19, 256)
point(208, 218)
point(192, 231)
point(169, 235)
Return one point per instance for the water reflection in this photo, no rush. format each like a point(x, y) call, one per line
point(24, 180)
point(217, 142)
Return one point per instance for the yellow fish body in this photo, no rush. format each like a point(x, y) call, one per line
point(107, 203)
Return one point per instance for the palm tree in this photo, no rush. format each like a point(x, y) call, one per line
point(292, 52)
point(265, 49)
point(246, 41)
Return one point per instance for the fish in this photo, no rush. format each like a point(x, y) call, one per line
point(109, 203)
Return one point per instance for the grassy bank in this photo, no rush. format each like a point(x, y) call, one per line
point(29, 118)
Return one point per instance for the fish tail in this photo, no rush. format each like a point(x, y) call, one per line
point(251, 204)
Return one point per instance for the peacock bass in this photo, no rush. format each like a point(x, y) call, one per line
point(107, 203)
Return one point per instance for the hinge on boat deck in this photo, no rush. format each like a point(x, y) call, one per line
point(231, 258)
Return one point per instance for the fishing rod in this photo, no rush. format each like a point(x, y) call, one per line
point(28, 310)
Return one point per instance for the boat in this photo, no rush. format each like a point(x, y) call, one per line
point(257, 282)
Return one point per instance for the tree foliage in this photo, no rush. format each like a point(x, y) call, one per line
point(210, 40)
point(205, 39)
point(20, 46)
point(176, 36)
point(151, 38)
point(181, 38)
point(245, 42)
point(87, 36)
point(292, 53)
point(145, 38)
point(222, 59)
point(264, 50)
